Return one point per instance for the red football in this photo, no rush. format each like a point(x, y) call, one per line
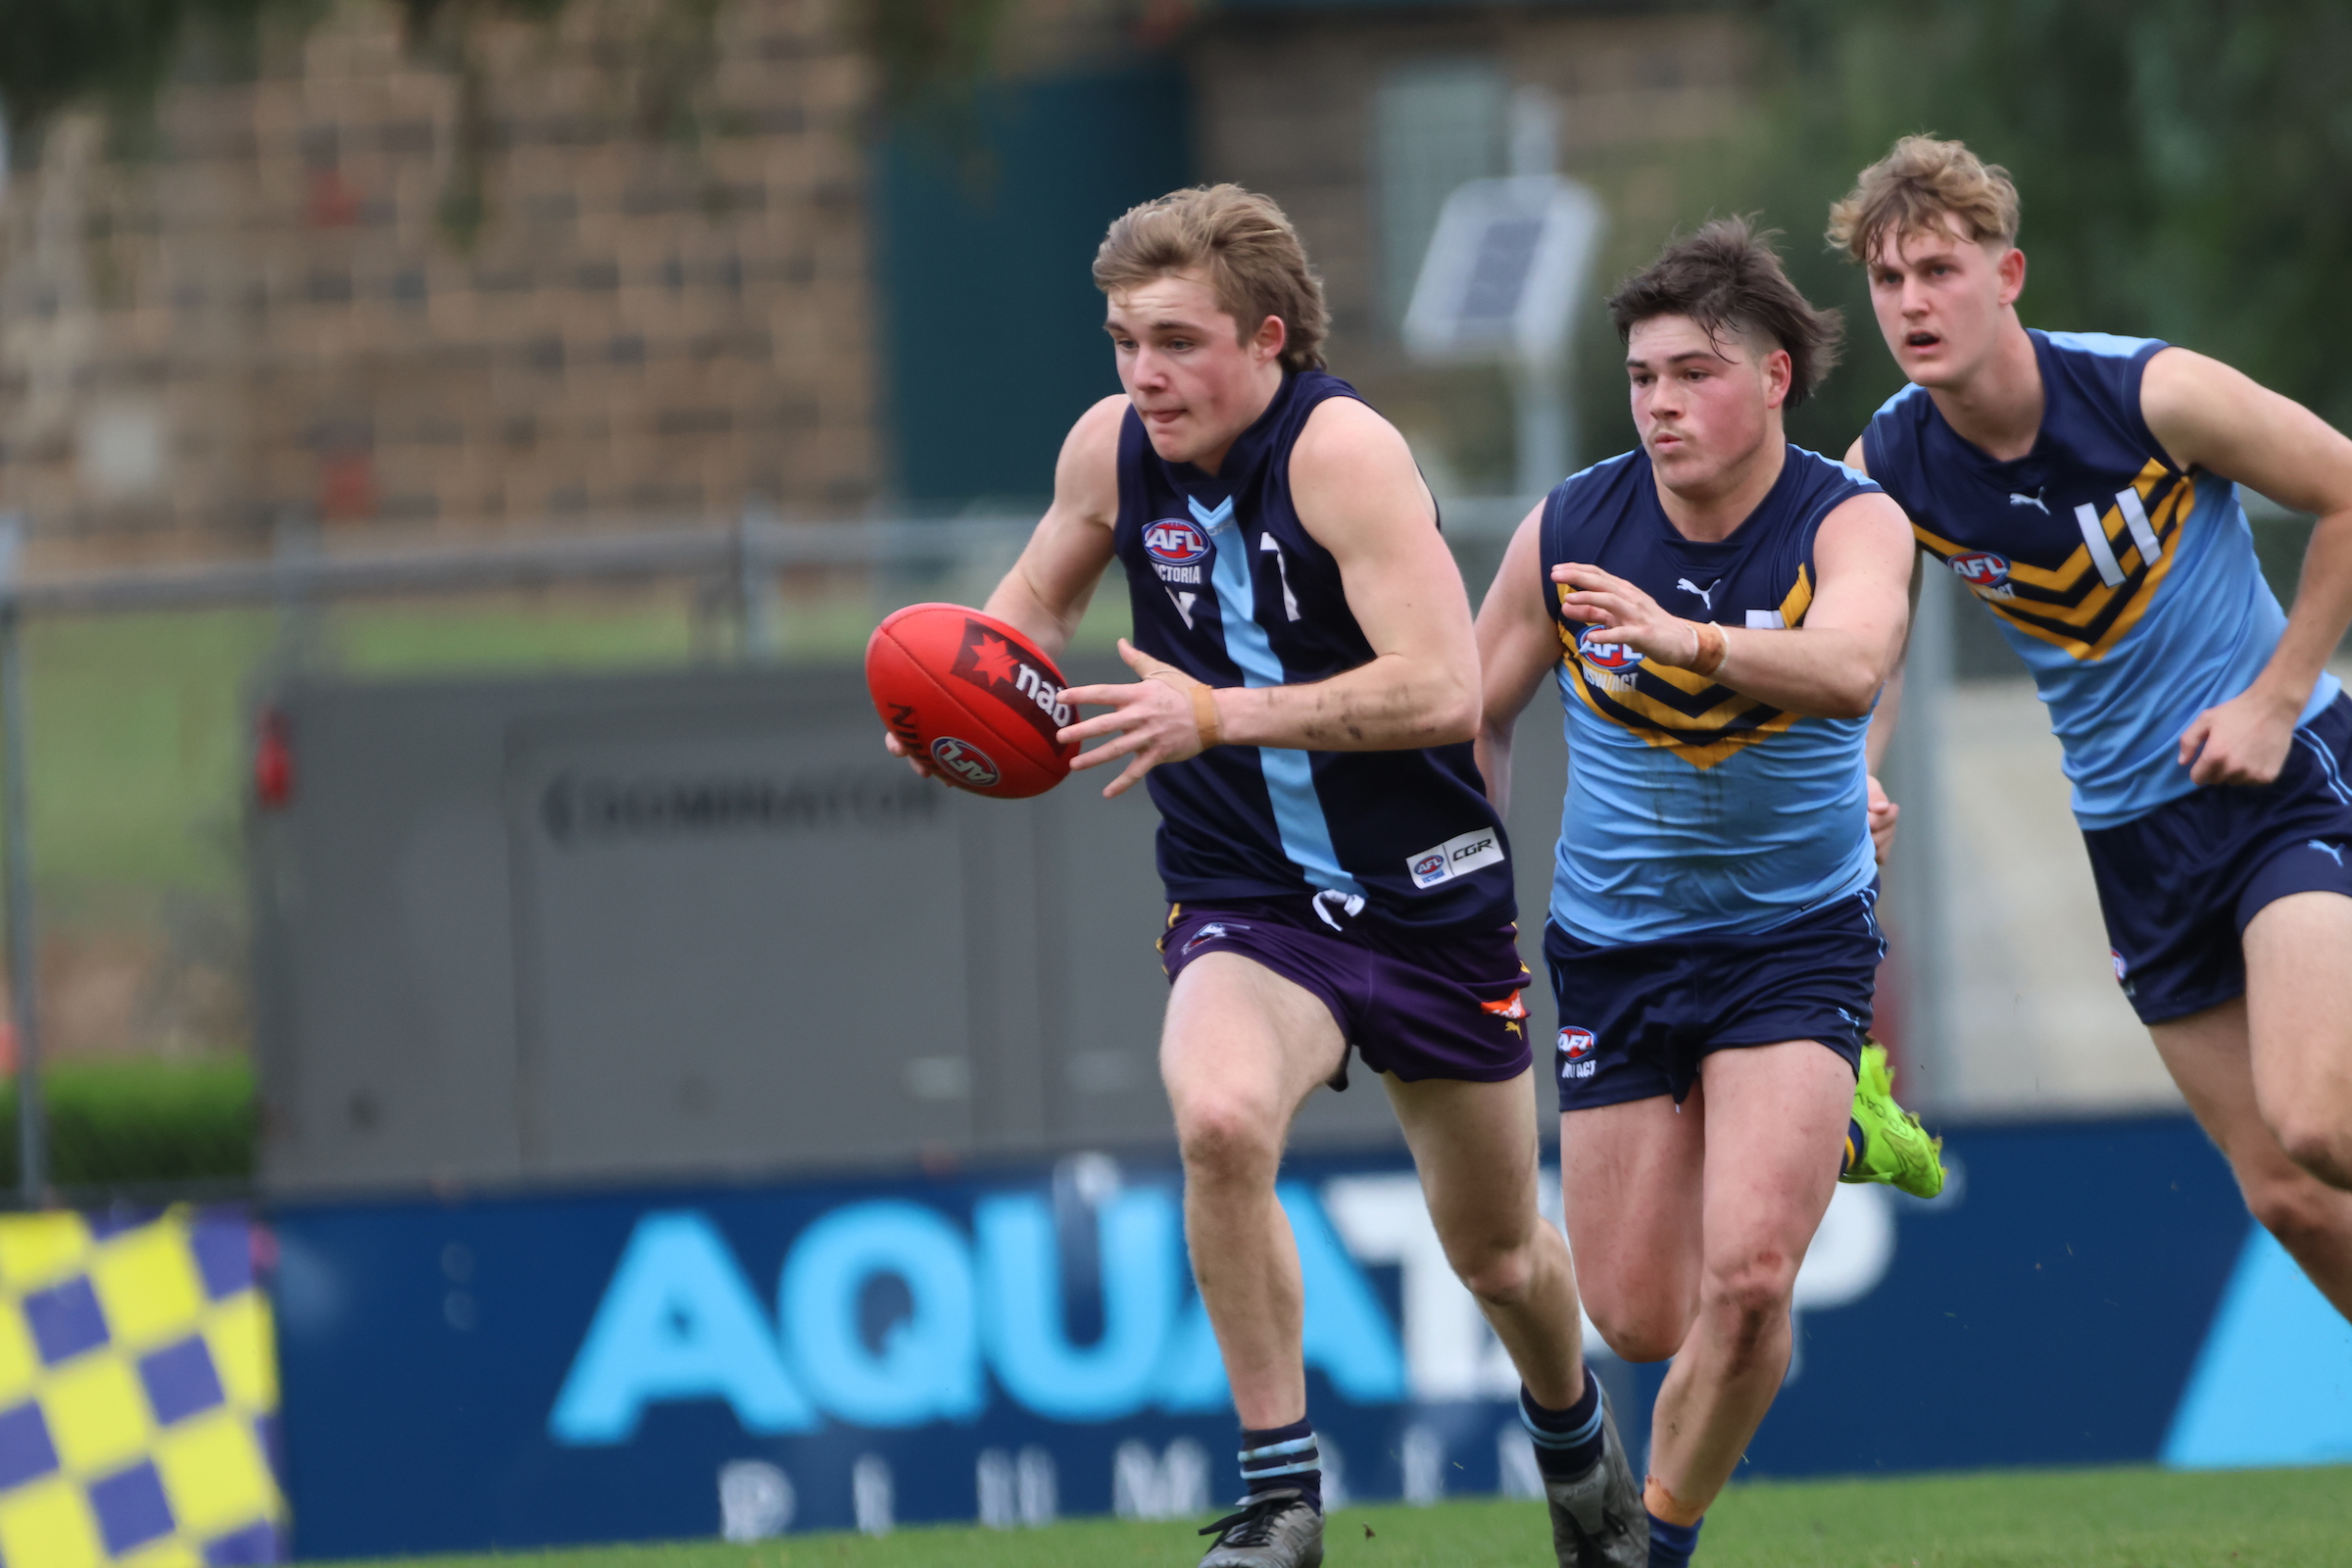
point(973, 696)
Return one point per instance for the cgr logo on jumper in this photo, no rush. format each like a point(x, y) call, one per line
point(1179, 550)
point(993, 663)
point(1456, 856)
point(1575, 1052)
point(966, 762)
point(1984, 572)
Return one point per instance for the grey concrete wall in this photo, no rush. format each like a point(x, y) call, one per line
point(618, 927)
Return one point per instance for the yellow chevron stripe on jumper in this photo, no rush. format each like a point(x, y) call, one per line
point(2073, 622)
point(1641, 701)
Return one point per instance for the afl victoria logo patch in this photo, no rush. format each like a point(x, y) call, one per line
point(1174, 543)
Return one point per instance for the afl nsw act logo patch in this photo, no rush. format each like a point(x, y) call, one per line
point(1575, 1052)
point(1592, 646)
point(1984, 572)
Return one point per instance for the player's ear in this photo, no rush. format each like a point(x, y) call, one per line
point(1779, 371)
point(1266, 343)
point(2011, 271)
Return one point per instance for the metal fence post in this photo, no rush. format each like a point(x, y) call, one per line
point(1921, 881)
point(754, 583)
point(15, 843)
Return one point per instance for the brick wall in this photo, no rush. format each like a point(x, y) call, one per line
point(270, 306)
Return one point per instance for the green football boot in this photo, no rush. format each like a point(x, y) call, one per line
point(1895, 1148)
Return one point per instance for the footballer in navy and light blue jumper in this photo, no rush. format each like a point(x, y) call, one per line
point(2133, 593)
point(1380, 881)
point(1715, 880)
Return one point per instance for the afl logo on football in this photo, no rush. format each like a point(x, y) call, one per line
point(1594, 647)
point(969, 765)
point(1174, 544)
point(1981, 568)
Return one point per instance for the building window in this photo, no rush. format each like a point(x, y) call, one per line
point(1434, 123)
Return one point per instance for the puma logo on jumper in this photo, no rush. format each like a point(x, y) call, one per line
point(1706, 595)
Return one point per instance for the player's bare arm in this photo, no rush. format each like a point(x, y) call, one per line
point(1832, 667)
point(1518, 644)
point(1360, 497)
point(1045, 593)
point(1884, 811)
point(2208, 416)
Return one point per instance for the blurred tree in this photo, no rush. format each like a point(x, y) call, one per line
point(2187, 168)
point(55, 54)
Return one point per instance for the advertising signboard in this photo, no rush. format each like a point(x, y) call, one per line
point(1018, 1343)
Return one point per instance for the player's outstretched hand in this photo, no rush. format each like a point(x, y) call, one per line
point(1883, 814)
point(921, 764)
point(2242, 741)
point(1153, 721)
point(1640, 622)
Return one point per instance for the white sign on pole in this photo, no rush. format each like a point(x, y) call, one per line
point(1504, 269)
point(1500, 283)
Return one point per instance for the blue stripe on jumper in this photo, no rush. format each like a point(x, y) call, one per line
point(1289, 774)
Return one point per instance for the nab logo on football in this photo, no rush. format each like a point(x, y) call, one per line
point(1174, 544)
point(1981, 568)
point(1595, 650)
point(1576, 1052)
point(966, 762)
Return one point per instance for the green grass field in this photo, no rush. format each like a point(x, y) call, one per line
point(2132, 1518)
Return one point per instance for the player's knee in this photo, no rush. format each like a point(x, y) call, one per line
point(1641, 1332)
point(2295, 1208)
point(1222, 1137)
point(2319, 1147)
point(1750, 1295)
point(1498, 1274)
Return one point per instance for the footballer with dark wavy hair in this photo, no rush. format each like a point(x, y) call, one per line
point(1720, 610)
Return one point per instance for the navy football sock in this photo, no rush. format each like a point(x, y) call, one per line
point(1567, 1442)
point(1671, 1545)
point(1857, 1146)
point(1278, 1457)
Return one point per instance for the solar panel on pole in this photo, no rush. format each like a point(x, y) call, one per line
point(1500, 283)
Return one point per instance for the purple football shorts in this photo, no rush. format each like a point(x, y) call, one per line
point(1418, 1005)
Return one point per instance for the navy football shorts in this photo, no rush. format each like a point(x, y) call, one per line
point(1419, 1006)
point(1637, 1019)
point(2179, 885)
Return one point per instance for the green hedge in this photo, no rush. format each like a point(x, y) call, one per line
point(118, 1123)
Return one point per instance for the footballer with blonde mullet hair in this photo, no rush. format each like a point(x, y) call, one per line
point(1337, 880)
point(2083, 488)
